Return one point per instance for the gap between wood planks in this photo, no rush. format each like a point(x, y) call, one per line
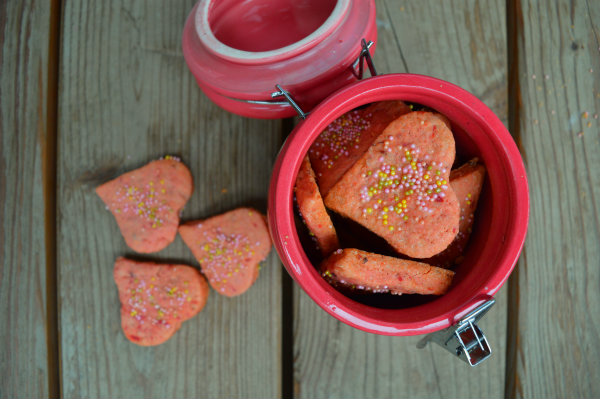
point(287, 308)
point(514, 24)
point(49, 177)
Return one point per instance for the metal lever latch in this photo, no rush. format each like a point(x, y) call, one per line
point(464, 339)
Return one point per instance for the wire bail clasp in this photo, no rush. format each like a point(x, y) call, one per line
point(365, 54)
point(282, 92)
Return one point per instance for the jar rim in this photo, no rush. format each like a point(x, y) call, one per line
point(217, 47)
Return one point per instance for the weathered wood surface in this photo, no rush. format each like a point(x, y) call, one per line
point(127, 97)
point(464, 43)
point(24, 28)
point(557, 353)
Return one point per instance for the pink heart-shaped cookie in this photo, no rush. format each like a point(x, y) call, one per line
point(229, 248)
point(146, 203)
point(157, 298)
point(399, 188)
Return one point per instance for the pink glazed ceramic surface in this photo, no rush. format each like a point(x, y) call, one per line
point(503, 209)
point(238, 50)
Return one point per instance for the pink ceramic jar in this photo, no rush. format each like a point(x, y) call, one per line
point(239, 50)
point(503, 209)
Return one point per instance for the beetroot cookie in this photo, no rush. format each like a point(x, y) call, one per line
point(229, 248)
point(312, 210)
point(146, 203)
point(466, 182)
point(356, 269)
point(347, 138)
point(157, 298)
point(399, 188)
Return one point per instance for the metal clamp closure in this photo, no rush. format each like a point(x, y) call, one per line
point(464, 339)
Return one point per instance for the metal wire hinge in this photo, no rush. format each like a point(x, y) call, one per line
point(464, 339)
point(365, 54)
point(281, 92)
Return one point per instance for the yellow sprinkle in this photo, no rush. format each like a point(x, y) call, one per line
point(186, 291)
point(118, 210)
point(133, 312)
point(152, 278)
point(160, 313)
point(426, 177)
point(385, 216)
point(151, 183)
point(189, 298)
point(439, 183)
point(236, 270)
point(468, 195)
point(229, 274)
point(468, 202)
point(151, 285)
point(391, 228)
point(438, 172)
point(140, 204)
point(405, 217)
point(385, 221)
point(444, 182)
point(369, 173)
point(379, 201)
point(162, 190)
point(162, 181)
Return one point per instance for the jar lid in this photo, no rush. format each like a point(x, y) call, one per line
point(238, 51)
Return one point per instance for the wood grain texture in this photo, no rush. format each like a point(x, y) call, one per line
point(463, 42)
point(24, 28)
point(126, 98)
point(557, 352)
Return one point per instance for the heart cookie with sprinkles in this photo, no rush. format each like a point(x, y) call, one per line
point(229, 248)
point(347, 138)
point(146, 202)
point(466, 182)
point(157, 298)
point(312, 210)
point(399, 188)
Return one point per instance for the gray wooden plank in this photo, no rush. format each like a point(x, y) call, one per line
point(24, 58)
point(465, 43)
point(127, 97)
point(557, 353)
